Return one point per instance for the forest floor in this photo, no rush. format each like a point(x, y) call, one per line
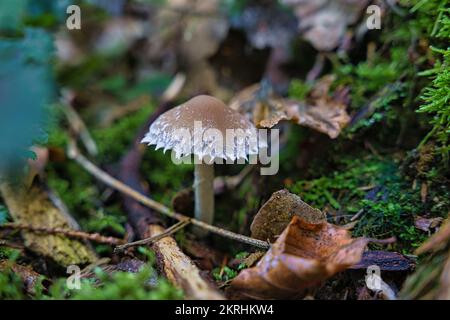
point(367, 146)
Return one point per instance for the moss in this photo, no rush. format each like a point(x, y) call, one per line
point(388, 202)
point(114, 141)
point(165, 178)
point(143, 285)
point(298, 89)
point(11, 286)
point(224, 274)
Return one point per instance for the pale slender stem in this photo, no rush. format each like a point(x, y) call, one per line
point(204, 194)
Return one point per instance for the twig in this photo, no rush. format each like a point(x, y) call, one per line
point(174, 88)
point(10, 244)
point(77, 125)
point(357, 215)
point(112, 182)
point(317, 68)
point(383, 241)
point(177, 226)
point(95, 237)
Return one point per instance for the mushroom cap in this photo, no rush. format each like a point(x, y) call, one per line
point(204, 126)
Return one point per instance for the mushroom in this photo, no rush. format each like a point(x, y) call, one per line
point(205, 128)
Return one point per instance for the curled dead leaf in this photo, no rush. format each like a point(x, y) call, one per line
point(321, 111)
point(303, 256)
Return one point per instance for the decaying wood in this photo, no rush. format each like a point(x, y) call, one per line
point(386, 260)
point(34, 206)
point(179, 268)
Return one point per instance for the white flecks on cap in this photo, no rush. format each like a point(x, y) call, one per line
point(206, 128)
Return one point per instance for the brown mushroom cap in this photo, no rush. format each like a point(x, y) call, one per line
point(167, 131)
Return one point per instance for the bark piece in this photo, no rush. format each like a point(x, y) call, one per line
point(387, 261)
point(277, 212)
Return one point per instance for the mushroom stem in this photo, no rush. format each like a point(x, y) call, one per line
point(204, 192)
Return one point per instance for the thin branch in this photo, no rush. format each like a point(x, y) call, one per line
point(169, 231)
point(10, 244)
point(95, 237)
point(77, 124)
point(112, 182)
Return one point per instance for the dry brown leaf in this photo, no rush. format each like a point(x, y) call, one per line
point(38, 207)
point(321, 112)
point(304, 255)
point(324, 22)
point(437, 241)
point(427, 224)
point(277, 212)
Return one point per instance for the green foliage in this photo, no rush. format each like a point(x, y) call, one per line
point(374, 186)
point(143, 285)
point(437, 101)
point(436, 96)
point(4, 215)
point(381, 108)
point(322, 191)
point(11, 286)
point(11, 14)
point(115, 140)
point(75, 187)
point(298, 89)
point(24, 65)
point(233, 7)
point(112, 220)
point(224, 274)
